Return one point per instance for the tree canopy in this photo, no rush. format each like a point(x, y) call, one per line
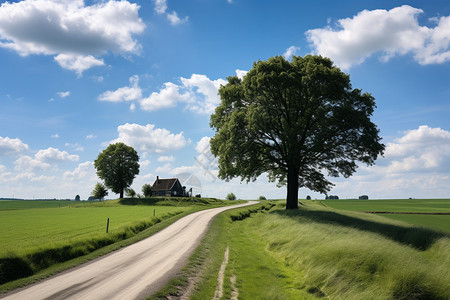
point(117, 165)
point(294, 121)
point(99, 191)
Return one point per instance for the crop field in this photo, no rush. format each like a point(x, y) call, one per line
point(16, 205)
point(414, 210)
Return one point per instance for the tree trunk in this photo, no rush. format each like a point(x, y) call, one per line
point(292, 188)
point(121, 193)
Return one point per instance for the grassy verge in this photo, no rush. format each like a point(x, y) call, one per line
point(51, 257)
point(258, 274)
point(319, 252)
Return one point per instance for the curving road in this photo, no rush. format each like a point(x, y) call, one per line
point(133, 272)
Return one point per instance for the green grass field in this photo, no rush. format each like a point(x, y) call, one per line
point(318, 252)
point(27, 230)
point(438, 222)
point(17, 204)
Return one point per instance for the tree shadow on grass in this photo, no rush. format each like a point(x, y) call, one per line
point(417, 237)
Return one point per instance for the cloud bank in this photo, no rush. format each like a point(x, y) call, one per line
point(385, 32)
point(198, 93)
point(75, 34)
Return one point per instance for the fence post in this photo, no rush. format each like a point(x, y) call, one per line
point(107, 225)
point(154, 212)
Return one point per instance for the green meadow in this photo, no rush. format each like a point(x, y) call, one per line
point(414, 207)
point(28, 230)
point(318, 252)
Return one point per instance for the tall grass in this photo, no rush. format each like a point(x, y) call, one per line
point(355, 256)
point(318, 252)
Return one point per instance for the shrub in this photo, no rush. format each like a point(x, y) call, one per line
point(308, 197)
point(364, 197)
point(231, 196)
point(262, 198)
point(130, 192)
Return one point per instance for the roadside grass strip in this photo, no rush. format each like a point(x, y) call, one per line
point(319, 252)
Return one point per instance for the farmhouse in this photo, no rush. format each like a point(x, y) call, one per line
point(168, 187)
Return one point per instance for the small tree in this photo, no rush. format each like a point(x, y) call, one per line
point(308, 197)
point(77, 198)
point(147, 190)
point(99, 191)
point(117, 165)
point(231, 196)
point(262, 198)
point(130, 192)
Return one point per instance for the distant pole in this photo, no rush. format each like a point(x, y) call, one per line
point(154, 212)
point(107, 225)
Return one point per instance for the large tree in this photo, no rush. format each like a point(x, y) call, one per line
point(117, 165)
point(294, 121)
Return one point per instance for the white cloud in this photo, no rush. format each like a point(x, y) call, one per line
point(160, 6)
point(164, 169)
point(55, 136)
point(90, 137)
point(11, 146)
point(64, 94)
point(167, 97)
point(175, 20)
point(55, 155)
point(78, 63)
point(128, 93)
point(161, 9)
point(144, 163)
point(389, 32)
point(83, 171)
point(415, 165)
point(71, 31)
point(205, 168)
point(205, 91)
point(292, 50)
point(422, 149)
point(241, 73)
point(150, 139)
point(166, 158)
point(199, 93)
point(28, 164)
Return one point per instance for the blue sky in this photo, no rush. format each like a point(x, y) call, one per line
point(78, 75)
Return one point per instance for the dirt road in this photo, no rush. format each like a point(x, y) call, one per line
point(133, 272)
